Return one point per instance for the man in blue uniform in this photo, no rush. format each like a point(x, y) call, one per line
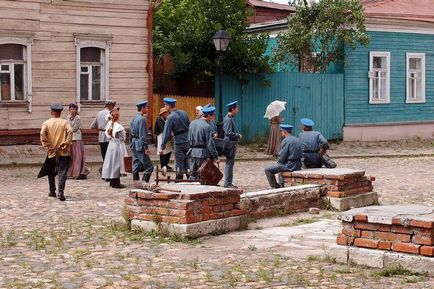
point(230, 134)
point(314, 146)
point(201, 141)
point(177, 123)
point(291, 152)
point(139, 147)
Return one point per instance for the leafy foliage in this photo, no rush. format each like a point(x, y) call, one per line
point(184, 28)
point(317, 33)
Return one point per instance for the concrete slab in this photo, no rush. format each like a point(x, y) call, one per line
point(366, 257)
point(346, 203)
point(194, 230)
point(381, 259)
point(328, 172)
point(385, 214)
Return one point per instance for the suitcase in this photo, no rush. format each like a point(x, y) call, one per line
point(128, 163)
point(209, 173)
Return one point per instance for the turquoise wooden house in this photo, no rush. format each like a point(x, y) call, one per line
point(387, 87)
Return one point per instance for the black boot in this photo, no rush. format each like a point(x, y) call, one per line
point(272, 181)
point(52, 194)
point(146, 178)
point(136, 176)
point(61, 196)
point(117, 184)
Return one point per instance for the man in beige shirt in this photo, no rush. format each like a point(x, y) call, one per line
point(56, 136)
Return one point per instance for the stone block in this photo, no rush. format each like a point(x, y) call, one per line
point(338, 253)
point(343, 204)
point(366, 257)
point(196, 229)
point(414, 263)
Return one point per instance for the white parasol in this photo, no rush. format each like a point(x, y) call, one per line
point(274, 109)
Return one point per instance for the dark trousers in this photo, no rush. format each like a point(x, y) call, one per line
point(164, 159)
point(181, 159)
point(103, 146)
point(195, 164)
point(61, 166)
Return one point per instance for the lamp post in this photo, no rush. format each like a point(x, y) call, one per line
point(221, 41)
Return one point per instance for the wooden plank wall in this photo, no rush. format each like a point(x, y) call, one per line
point(53, 24)
point(184, 102)
point(358, 111)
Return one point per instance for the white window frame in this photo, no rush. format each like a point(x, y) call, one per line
point(421, 56)
point(97, 42)
point(27, 42)
point(371, 75)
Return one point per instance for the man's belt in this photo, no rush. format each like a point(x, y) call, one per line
point(101, 129)
point(311, 152)
point(198, 147)
point(178, 133)
point(133, 136)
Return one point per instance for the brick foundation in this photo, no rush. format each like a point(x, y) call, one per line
point(186, 204)
point(345, 188)
point(289, 200)
point(406, 229)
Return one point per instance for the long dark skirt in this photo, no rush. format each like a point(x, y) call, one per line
point(77, 165)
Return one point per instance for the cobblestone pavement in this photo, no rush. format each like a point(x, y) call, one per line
point(45, 243)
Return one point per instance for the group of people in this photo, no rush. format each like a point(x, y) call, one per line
point(194, 143)
point(308, 150)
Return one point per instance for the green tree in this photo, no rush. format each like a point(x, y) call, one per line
point(184, 28)
point(318, 32)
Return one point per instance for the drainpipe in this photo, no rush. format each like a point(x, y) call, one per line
point(150, 64)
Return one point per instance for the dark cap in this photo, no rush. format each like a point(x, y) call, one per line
point(286, 127)
point(110, 102)
point(56, 107)
point(232, 104)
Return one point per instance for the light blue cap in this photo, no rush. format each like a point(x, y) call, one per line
point(286, 127)
point(142, 103)
point(207, 105)
point(307, 122)
point(168, 100)
point(232, 104)
point(208, 110)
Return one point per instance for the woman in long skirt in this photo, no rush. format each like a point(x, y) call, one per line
point(114, 165)
point(77, 166)
point(274, 138)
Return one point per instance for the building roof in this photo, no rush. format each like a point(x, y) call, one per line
point(420, 10)
point(270, 5)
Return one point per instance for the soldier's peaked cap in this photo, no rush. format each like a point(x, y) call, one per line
point(56, 107)
point(208, 110)
point(286, 127)
point(168, 100)
point(307, 122)
point(142, 103)
point(232, 104)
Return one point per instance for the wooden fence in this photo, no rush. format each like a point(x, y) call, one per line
point(186, 103)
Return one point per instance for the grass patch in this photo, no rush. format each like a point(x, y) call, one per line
point(398, 270)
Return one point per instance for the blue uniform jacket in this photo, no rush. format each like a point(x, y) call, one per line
point(138, 133)
point(201, 141)
point(312, 141)
point(177, 122)
point(230, 128)
point(291, 152)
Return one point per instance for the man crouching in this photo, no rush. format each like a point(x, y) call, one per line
point(291, 152)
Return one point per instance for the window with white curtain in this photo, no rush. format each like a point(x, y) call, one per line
point(415, 77)
point(379, 77)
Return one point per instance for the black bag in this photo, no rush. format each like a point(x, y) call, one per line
point(48, 166)
point(225, 147)
point(327, 161)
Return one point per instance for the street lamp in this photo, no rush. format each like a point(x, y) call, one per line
point(221, 41)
